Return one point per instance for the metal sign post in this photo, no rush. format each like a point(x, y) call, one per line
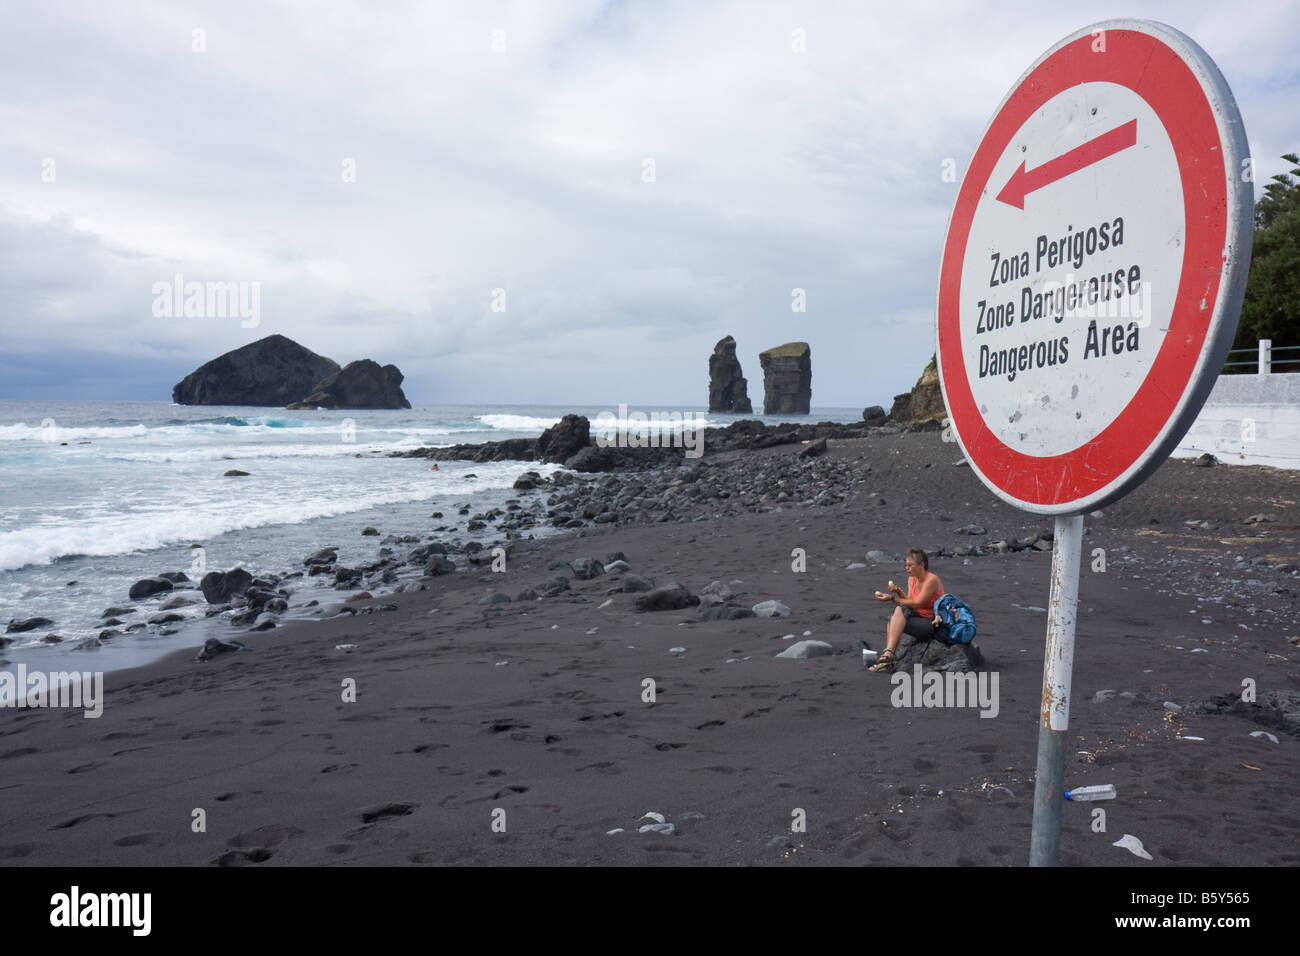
point(1092, 278)
point(1058, 663)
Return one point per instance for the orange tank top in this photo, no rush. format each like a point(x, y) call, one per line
point(914, 589)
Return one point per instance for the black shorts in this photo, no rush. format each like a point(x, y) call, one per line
point(916, 625)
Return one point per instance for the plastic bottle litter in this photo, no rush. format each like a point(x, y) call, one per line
point(868, 656)
point(1101, 791)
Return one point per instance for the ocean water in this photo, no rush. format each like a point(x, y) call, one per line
point(96, 495)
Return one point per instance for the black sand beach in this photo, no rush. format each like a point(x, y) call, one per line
point(529, 716)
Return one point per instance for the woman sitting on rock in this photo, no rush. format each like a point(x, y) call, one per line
point(914, 613)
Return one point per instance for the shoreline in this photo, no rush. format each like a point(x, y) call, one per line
point(535, 707)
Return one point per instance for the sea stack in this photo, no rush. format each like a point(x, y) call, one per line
point(360, 384)
point(728, 390)
point(271, 371)
point(787, 379)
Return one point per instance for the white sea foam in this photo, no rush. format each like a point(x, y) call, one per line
point(518, 423)
point(24, 432)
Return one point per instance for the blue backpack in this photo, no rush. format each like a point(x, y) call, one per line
point(954, 621)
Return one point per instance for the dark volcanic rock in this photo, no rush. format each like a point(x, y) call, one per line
point(438, 565)
point(728, 390)
point(936, 656)
point(147, 586)
point(214, 646)
point(271, 371)
point(564, 439)
point(584, 569)
point(30, 624)
point(360, 384)
point(671, 597)
point(874, 415)
point(787, 379)
point(219, 586)
point(923, 403)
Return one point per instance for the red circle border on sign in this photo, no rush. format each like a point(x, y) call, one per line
point(1147, 66)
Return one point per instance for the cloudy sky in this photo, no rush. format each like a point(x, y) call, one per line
point(638, 178)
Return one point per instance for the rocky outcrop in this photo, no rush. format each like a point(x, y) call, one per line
point(787, 379)
point(271, 371)
point(361, 384)
point(728, 390)
point(923, 403)
point(570, 435)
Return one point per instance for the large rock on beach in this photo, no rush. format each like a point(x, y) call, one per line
point(935, 656)
point(924, 403)
point(219, 586)
point(728, 390)
point(671, 597)
point(787, 379)
point(27, 624)
point(272, 371)
point(570, 435)
point(360, 384)
point(146, 587)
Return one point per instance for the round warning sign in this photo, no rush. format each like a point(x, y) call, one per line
point(1094, 267)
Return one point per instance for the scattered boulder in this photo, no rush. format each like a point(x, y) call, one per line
point(219, 586)
point(670, 597)
point(814, 449)
point(874, 415)
point(323, 556)
point(439, 564)
point(936, 656)
point(28, 624)
point(724, 612)
point(771, 609)
point(214, 646)
point(802, 650)
point(234, 473)
point(584, 569)
point(147, 587)
point(633, 583)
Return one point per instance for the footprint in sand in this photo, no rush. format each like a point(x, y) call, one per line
point(242, 857)
point(381, 810)
point(136, 839)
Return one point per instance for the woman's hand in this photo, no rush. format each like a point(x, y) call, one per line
point(895, 589)
point(881, 597)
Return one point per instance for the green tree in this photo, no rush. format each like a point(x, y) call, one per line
point(1271, 309)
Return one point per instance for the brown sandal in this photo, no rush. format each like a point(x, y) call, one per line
point(885, 664)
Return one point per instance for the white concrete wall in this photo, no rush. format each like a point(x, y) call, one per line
point(1249, 420)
